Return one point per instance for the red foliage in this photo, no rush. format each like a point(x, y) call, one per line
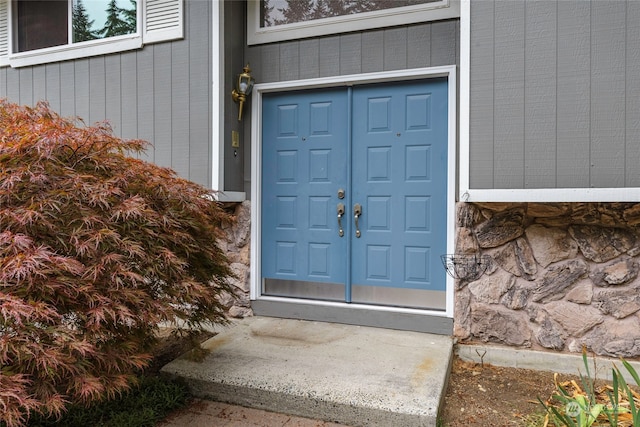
point(96, 248)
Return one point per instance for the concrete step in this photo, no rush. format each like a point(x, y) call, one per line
point(353, 375)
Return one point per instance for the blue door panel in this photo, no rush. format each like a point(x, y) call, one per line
point(417, 265)
point(399, 175)
point(304, 154)
point(386, 146)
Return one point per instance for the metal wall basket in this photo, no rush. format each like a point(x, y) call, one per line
point(465, 267)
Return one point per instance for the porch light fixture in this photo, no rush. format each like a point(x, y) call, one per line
point(243, 89)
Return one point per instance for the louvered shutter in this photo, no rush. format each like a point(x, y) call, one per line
point(4, 32)
point(163, 20)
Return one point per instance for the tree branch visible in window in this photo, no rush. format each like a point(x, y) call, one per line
point(115, 25)
point(295, 11)
point(131, 16)
point(280, 12)
point(265, 14)
point(81, 24)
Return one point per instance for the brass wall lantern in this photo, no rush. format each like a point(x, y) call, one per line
point(243, 89)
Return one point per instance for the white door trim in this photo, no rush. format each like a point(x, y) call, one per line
point(217, 105)
point(339, 81)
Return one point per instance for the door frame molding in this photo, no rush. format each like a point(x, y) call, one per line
point(450, 72)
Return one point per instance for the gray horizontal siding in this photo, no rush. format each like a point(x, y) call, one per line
point(413, 46)
point(161, 94)
point(554, 94)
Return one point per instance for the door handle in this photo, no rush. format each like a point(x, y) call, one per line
point(340, 213)
point(357, 211)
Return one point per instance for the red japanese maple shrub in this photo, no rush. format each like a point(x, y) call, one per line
point(96, 248)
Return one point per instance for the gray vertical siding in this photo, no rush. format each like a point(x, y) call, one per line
point(413, 46)
point(198, 126)
point(161, 93)
point(97, 99)
point(540, 90)
point(351, 54)
point(82, 90)
point(67, 88)
point(309, 56)
point(481, 96)
point(608, 92)
point(128, 95)
point(52, 86)
point(573, 94)
point(371, 59)
point(162, 123)
point(553, 101)
point(145, 128)
point(236, 160)
point(113, 83)
point(508, 92)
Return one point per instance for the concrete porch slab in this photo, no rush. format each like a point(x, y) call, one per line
point(352, 375)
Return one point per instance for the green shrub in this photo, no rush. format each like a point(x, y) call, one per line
point(96, 248)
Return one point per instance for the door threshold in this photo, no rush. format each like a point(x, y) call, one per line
point(355, 314)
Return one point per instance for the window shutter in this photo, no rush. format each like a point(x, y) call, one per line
point(4, 32)
point(163, 20)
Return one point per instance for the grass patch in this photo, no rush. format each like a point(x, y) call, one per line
point(143, 405)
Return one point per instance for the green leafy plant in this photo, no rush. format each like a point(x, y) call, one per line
point(96, 249)
point(578, 411)
point(622, 393)
point(616, 405)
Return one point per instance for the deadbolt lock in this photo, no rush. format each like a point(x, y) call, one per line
point(341, 194)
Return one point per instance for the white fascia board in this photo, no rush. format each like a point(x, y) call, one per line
point(76, 51)
point(551, 195)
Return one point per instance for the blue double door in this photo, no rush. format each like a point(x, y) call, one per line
point(354, 184)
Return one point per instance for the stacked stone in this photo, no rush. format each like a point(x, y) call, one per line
point(562, 276)
point(237, 248)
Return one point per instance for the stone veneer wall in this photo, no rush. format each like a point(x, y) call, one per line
point(237, 247)
point(560, 276)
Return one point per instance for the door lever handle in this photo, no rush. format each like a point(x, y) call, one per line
point(340, 214)
point(357, 211)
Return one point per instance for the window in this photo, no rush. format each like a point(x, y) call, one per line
point(42, 31)
point(41, 24)
point(279, 12)
point(103, 18)
point(276, 20)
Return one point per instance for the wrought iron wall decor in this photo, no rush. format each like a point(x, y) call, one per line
point(465, 267)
